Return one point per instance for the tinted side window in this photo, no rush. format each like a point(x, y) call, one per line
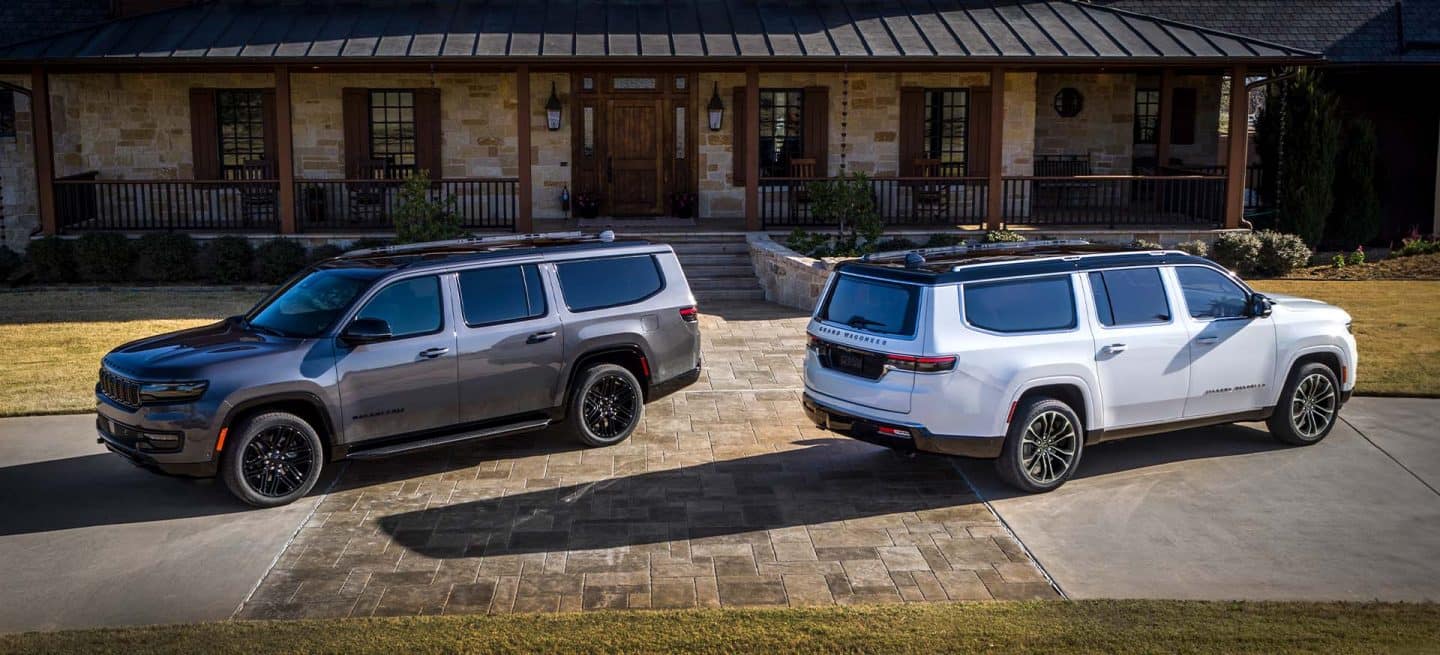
point(411, 306)
point(1031, 305)
point(1208, 294)
point(501, 294)
point(600, 283)
point(1130, 296)
point(872, 305)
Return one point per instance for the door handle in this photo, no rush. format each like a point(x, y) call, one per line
point(539, 337)
point(432, 353)
point(1206, 341)
point(1113, 349)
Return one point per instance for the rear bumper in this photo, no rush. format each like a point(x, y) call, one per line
point(921, 439)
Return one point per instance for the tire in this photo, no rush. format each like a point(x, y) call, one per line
point(272, 459)
point(1309, 406)
point(1043, 431)
point(606, 405)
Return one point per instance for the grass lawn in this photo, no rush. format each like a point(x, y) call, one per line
point(1042, 627)
point(51, 342)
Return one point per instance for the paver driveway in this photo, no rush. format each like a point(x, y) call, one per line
point(726, 495)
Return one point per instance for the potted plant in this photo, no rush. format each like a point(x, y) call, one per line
point(683, 204)
point(587, 204)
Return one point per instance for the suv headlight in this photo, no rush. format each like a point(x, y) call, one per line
point(172, 392)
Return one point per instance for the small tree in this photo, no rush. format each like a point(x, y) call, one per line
point(420, 216)
point(1356, 217)
point(849, 203)
point(1298, 136)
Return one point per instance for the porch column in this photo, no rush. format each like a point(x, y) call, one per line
point(523, 219)
point(752, 148)
point(1162, 126)
point(44, 149)
point(285, 150)
point(1235, 161)
point(995, 191)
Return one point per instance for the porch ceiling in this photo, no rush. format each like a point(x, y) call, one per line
point(692, 31)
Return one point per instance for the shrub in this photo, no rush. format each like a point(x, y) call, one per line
point(1141, 244)
point(1299, 119)
point(1356, 216)
point(1408, 247)
point(366, 243)
point(944, 240)
point(10, 262)
point(1237, 251)
point(1280, 253)
point(421, 217)
point(1002, 236)
point(325, 251)
point(227, 260)
point(52, 258)
point(1338, 261)
point(894, 243)
point(104, 257)
point(849, 204)
point(1197, 247)
point(166, 257)
point(1357, 257)
point(278, 259)
point(810, 244)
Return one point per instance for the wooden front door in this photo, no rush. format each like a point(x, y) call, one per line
point(634, 175)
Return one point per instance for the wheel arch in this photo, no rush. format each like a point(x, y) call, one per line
point(303, 404)
point(631, 356)
point(1331, 356)
point(1072, 391)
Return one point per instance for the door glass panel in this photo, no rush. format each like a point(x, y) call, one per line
point(411, 307)
point(1208, 294)
point(1133, 296)
point(634, 83)
point(500, 294)
point(587, 140)
point(679, 132)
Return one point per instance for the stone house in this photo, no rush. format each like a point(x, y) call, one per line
point(267, 116)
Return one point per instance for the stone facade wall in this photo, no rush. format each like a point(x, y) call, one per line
point(17, 175)
point(1104, 128)
point(719, 197)
point(787, 277)
point(1206, 150)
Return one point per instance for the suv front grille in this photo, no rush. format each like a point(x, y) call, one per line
point(121, 390)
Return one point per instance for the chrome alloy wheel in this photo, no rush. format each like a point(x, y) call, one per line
point(277, 461)
point(1047, 448)
point(1312, 407)
point(610, 406)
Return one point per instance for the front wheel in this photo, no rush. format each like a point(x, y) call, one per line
point(1043, 446)
point(1308, 406)
point(273, 459)
point(607, 405)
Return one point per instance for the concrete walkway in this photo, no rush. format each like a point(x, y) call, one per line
point(1223, 513)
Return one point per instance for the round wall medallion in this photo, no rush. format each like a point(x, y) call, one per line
point(1069, 102)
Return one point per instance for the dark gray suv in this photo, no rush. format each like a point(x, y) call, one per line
point(392, 350)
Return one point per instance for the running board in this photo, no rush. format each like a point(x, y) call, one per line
point(380, 452)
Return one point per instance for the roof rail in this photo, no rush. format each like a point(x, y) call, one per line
point(908, 256)
point(481, 243)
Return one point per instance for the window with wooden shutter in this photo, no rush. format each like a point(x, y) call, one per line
point(1183, 116)
point(427, 132)
point(782, 130)
point(911, 129)
point(815, 126)
point(977, 146)
point(204, 134)
point(355, 110)
point(738, 140)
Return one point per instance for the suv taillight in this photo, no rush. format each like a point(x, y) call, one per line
point(689, 314)
point(920, 364)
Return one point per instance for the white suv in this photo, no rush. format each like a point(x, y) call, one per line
point(1029, 352)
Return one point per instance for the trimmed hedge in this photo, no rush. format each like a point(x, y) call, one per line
point(52, 259)
point(104, 257)
point(166, 257)
point(277, 260)
point(228, 260)
point(10, 262)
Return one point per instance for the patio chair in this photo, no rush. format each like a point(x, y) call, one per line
point(930, 196)
point(368, 192)
point(258, 202)
point(802, 171)
point(1063, 194)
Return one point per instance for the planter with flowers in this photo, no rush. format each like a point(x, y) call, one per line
point(683, 204)
point(587, 204)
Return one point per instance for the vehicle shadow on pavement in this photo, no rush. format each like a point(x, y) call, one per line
point(820, 484)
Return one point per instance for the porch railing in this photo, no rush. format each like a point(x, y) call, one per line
point(369, 205)
point(1254, 174)
point(919, 201)
point(1114, 200)
point(84, 203)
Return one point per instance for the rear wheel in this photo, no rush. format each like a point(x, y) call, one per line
point(1043, 446)
point(1308, 406)
point(607, 405)
point(273, 459)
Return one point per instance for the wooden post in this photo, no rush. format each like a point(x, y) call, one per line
point(1162, 126)
point(1239, 135)
point(752, 149)
point(524, 221)
point(285, 150)
point(995, 189)
point(41, 127)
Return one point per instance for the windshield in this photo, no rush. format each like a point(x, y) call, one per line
point(872, 305)
point(312, 303)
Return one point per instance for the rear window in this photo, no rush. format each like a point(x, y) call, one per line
point(600, 283)
point(872, 305)
point(1029, 305)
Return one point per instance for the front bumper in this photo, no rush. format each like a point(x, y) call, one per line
point(921, 439)
point(121, 431)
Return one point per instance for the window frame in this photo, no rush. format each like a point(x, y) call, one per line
point(797, 128)
point(1069, 282)
point(560, 283)
point(258, 121)
point(8, 114)
point(1154, 117)
point(539, 276)
point(1244, 288)
point(1164, 287)
point(414, 140)
point(933, 112)
point(381, 285)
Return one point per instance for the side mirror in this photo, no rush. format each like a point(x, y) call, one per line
point(1260, 306)
point(366, 330)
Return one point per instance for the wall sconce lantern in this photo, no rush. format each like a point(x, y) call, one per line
point(716, 109)
point(552, 110)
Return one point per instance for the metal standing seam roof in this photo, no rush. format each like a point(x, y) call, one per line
point(750, 30)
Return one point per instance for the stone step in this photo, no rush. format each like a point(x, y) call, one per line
point(710, 248)
point(727, 295)
point(724, 283)
point(698, 271)
point(720, 259)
